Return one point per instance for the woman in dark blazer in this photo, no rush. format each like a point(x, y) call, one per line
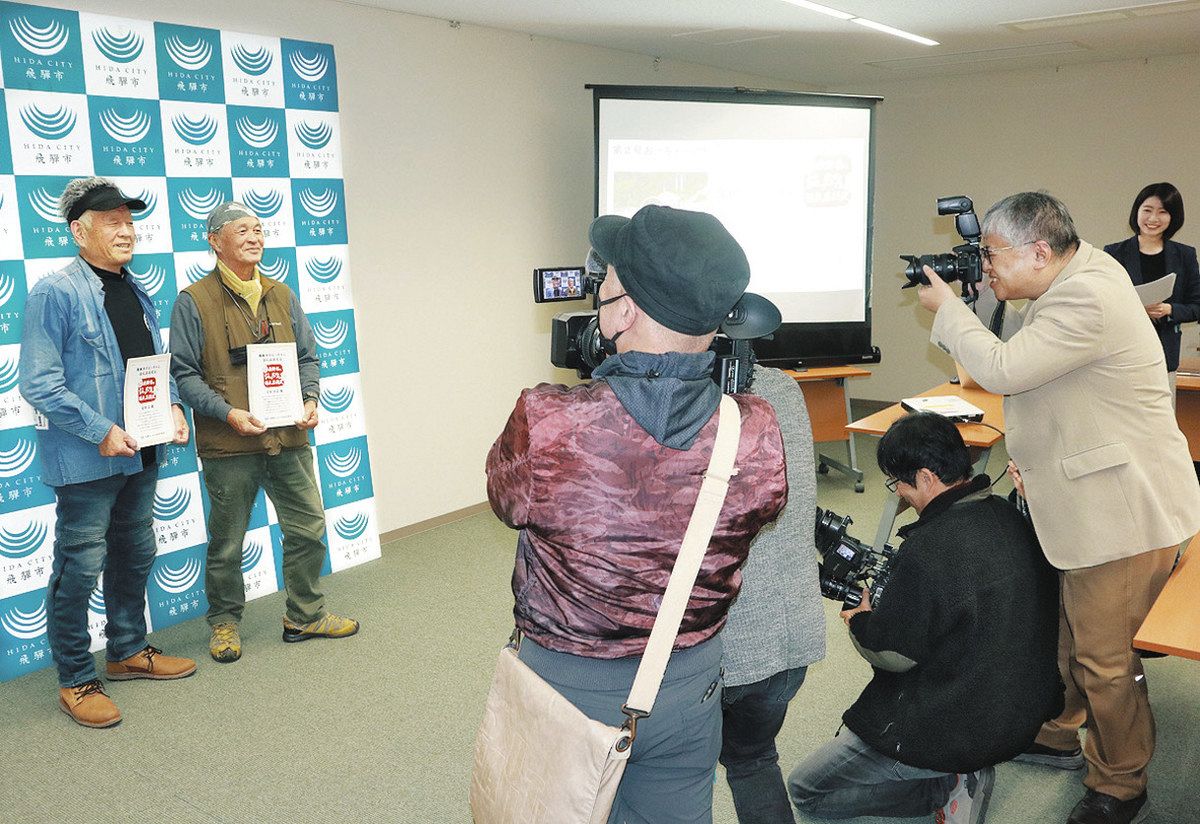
point(1157, 214)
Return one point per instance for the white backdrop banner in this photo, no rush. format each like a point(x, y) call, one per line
point(182, 117)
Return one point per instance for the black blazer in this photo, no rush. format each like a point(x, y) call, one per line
point(1185, 298)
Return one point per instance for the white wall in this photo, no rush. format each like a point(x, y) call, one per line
point(1092, 135)
point(468, 159)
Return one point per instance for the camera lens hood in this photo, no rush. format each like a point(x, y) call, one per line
point(753, 316)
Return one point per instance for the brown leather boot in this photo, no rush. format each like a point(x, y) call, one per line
point(88, 705)
point(150, 663)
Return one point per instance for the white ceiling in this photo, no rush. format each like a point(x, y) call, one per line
point(779, 40)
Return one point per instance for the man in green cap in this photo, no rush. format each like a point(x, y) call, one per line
point(213, 321)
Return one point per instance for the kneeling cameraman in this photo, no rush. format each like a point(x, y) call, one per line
point(963, 643)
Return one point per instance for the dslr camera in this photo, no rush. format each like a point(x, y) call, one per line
point(963, 262)
point(847, 564)
point(575, 336)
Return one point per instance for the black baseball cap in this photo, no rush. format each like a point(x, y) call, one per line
point(103, 198)
point(682, 268)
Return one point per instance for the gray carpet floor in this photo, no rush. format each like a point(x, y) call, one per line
point(379, 727)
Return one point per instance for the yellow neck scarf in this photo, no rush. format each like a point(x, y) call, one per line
point(249, 290)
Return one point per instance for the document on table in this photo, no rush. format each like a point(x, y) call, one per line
point(1156, 291)
point(273, 374)
point(148, 418)
point(948, 406)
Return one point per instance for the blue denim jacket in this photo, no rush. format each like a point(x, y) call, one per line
point(73, 373)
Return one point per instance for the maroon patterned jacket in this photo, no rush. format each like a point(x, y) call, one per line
point(602, 508)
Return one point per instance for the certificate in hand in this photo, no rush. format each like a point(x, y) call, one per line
point(148, 418)
point(273, 374)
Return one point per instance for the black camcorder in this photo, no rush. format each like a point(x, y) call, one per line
point(575, 336)
point(963, 263)
point(848, 565)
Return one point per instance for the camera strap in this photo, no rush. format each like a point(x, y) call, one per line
point(687, 564)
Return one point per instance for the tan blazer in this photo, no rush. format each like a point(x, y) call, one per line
point(1088, 415)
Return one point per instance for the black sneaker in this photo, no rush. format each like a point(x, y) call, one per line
point(1050, 757)
point(1101, 808)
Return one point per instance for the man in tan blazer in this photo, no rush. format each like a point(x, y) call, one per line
point(1107, 474)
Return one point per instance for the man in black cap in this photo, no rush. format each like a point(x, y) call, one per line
point(82, 323)
point(601, 479)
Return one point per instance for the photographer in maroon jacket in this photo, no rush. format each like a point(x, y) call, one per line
point(601, 480)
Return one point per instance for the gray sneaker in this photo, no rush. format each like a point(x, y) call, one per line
point(1050, 757)
point(968, 802)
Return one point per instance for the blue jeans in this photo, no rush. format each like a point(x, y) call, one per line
point(753, 715)
point(669, 776)
point(103, 526)
point(846, 778)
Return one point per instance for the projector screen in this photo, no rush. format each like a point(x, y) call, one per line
point(790, 176)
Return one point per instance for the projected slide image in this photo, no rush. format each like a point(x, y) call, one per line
point(682, 190)
point(797, 206)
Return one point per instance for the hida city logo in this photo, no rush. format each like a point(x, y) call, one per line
point(156, 275)
point(42, 49)
point(324, 270)
point(17, 459)
point(44, 231)
point(175, 590)
point(254, 62)
point(12, 301)
point(198, 131)
point(191, 200)
point(10, 377)
point(52, 125)
point(315, 137)
point(331, 335)
point(337, 401)
point(44, 41)
point(189, 63)
point(197, 205)
point(336, 342)
point(171, 506)
point(23, 625)
point(320, 212)
point(264, 204)
point(126, 136)
point(196, 143)
point(21, 543)
point(118, 47)
point(349, 529)
point(309, 76)
point(257, 142)
point(178, 579)
point(191, 57)
point(345, 471)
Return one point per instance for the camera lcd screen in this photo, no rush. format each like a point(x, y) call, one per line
point(562, 283)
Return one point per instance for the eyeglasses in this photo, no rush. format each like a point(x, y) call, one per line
point(891, 484)
point(986, 252)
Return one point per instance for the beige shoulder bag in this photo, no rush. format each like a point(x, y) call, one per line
point(538, 759)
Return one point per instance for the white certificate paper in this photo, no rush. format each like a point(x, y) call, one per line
point(273, 374)
point(1156, 291)
point(148, 418)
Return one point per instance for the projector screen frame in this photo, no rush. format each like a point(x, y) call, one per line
point(795, 344)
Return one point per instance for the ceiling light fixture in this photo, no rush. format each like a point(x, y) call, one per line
point(817, 7)
point(916, 38)
point(862, 21)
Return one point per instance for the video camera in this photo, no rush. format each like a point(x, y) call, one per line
point(963, 263)
point(847, 564)
point(575, 336)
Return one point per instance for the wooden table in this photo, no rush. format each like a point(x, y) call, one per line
point(979, 438)
point(1187, 403)
point(1173, 624)
point(828, 405)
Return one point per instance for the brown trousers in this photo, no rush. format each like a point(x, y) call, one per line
point(1101, 609)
